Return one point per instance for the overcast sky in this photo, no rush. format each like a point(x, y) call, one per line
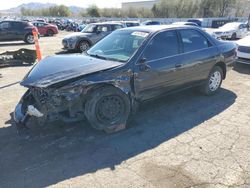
point(80, 3)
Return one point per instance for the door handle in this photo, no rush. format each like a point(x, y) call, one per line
point(178, 65)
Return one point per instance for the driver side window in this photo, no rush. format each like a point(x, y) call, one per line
point(5, 25)
point(163, 45)
point(102, 28)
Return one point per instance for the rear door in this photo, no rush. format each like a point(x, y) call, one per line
point(156, 72)
point(197, 58)
point(16, 30)
point(42, 28)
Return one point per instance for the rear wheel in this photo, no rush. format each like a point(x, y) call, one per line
point(50, 32)
point(213, 81)
point(107, 108)
point(29, 38)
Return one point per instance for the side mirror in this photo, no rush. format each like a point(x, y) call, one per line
point(143, 66)
point(142, 61)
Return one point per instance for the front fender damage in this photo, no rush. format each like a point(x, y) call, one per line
point(65, 101)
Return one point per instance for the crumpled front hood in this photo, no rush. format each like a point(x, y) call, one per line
point(59, 68)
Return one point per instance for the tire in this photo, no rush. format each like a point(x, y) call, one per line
point(83, 46)
point(29, 39)
point(50, 32)
point(234, 36)
point(213, 82)
point(107, 108)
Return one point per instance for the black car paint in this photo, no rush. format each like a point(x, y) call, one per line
point(15, 33)
point(139, 79)
point(52, 70)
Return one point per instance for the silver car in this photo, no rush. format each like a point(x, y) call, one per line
point(90, 35)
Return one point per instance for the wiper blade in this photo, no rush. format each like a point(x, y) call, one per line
point(114, 59)
point(97, 56)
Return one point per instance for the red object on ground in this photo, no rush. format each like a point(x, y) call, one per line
point(38, 51)
point(46, 28)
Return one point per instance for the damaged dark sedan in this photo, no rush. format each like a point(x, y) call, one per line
point(127, 67)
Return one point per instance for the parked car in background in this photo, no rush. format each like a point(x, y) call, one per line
point(149, 22)
point(243, 50)
point(197, 21)
point(46, 29)
point(186, 23)
point(90, 35)
point(81, 27)
point(129, 66)
point(130, 23)
point(60, 25)
point(16, 30)
point(231, 30)
point(41, 20)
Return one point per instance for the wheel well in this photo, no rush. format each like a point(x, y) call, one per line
point(25, 36)
point(50, 30)
point(223, 67)
point(97, 86)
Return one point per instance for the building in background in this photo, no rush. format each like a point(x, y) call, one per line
point(139, 4)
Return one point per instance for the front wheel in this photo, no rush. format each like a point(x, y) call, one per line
point(213, 82)
point(234, 36)
point(107, 108)
point(83, 46)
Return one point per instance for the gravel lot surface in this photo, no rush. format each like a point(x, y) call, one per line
point(181, 140)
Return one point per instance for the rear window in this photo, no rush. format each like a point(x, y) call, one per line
point(193, 40)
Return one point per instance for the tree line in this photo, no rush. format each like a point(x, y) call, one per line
point(57, 11)
point(162, 9)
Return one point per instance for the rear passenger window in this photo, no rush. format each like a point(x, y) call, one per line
point(164, 44)
point(192, 40)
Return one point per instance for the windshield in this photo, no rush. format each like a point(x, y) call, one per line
point(119, 45)
point(91, 28)
point(230, 26)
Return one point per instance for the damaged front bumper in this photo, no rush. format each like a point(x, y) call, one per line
point(46, 105)
point(21, 117)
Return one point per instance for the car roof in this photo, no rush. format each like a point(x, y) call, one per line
point(156, 28)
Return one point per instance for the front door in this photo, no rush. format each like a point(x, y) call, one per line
point(5, 33)
point(157, 70)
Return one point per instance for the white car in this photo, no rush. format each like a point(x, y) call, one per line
point(231, 30)
point(243, 50)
